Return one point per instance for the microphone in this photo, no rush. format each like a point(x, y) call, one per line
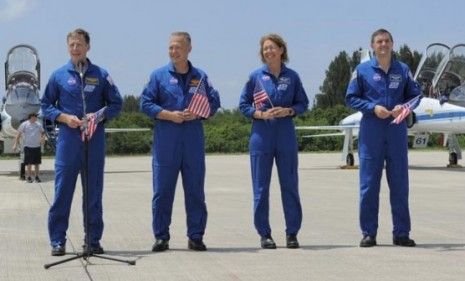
point(80, 68)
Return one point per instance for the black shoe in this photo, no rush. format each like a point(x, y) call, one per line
point(368, 241)
point(267, 242)
point(160, 245)
point(94, 249)
point(404, 241)
point(29, 180)
point(196, 245)
point(292, 242)
point(37, 179)
point(58, 250)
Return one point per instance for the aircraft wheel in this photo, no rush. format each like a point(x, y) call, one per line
point(453, 158)
point(350, 159)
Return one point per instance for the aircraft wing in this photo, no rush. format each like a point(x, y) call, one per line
point(324, 135)
point(324, 128)
point(122, 130)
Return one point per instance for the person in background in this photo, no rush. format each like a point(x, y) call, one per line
point(33, 137)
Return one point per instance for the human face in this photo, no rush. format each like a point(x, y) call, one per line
point(382, 45)
point(271, 52)
point(77, 48)
point(179, 49)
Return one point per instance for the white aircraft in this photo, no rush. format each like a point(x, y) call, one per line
point(448, 83)
point(22, 86)
point(429, 117)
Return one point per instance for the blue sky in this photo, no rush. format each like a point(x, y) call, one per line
point(130, 38)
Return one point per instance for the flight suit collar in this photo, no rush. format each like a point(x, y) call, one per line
point(374, 63)
point(172, 69)
point(70, 66)
point(266, 69)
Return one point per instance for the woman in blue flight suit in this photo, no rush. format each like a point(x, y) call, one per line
point(378, 88)
point(62, 102)
point(273, 136)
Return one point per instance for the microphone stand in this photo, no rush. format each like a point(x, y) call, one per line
point(87, 252)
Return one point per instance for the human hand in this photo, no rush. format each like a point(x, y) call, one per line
point(188, 115)
point(265, 115)
point(280, 112)
point(396, 111)
point(72, 121)
point(382, 112)
point(176, 116)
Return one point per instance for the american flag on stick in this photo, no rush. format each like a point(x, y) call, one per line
point(199, 104)
point(260, 96)
point(406, 109)
point(92, 122)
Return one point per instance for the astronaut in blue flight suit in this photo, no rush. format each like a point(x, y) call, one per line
point(178, 142)
point(378, 88)
point(62, 102)
point(273, 137)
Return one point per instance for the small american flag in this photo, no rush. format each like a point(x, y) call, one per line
point(406, 109)
point(199, 103)
point(259, 95)
point(92, 122)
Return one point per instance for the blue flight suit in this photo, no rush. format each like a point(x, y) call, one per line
point(177, 148)
point(380, 141)
point(63, 95)
point(275, 139)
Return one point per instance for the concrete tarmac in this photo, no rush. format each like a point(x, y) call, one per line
point(329, 236)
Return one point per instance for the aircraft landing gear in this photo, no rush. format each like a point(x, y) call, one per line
point(350, 162)
point(22, 171)
point(350, 159)
point(453, 158)
point(455, 152)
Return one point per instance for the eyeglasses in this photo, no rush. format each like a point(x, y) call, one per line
point(270, 48)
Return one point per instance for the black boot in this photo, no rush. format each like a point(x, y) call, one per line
point(368, 241)
point(196, 245)
point(160, 245)
point(404, 241)
point(267, 242)
point(292, 242)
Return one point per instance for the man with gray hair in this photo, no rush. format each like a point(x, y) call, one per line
point(178, 140)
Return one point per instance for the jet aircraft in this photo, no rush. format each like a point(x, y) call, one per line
point(22, 87)
point(448, 83)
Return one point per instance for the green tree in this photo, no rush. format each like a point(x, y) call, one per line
point(406, 56)
point(130, 103)
point(332, 92)
point(130, 142)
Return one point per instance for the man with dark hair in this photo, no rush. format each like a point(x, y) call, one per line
point(77, 89)
point(33, 138)
point(378, 89)
point(178, 141)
